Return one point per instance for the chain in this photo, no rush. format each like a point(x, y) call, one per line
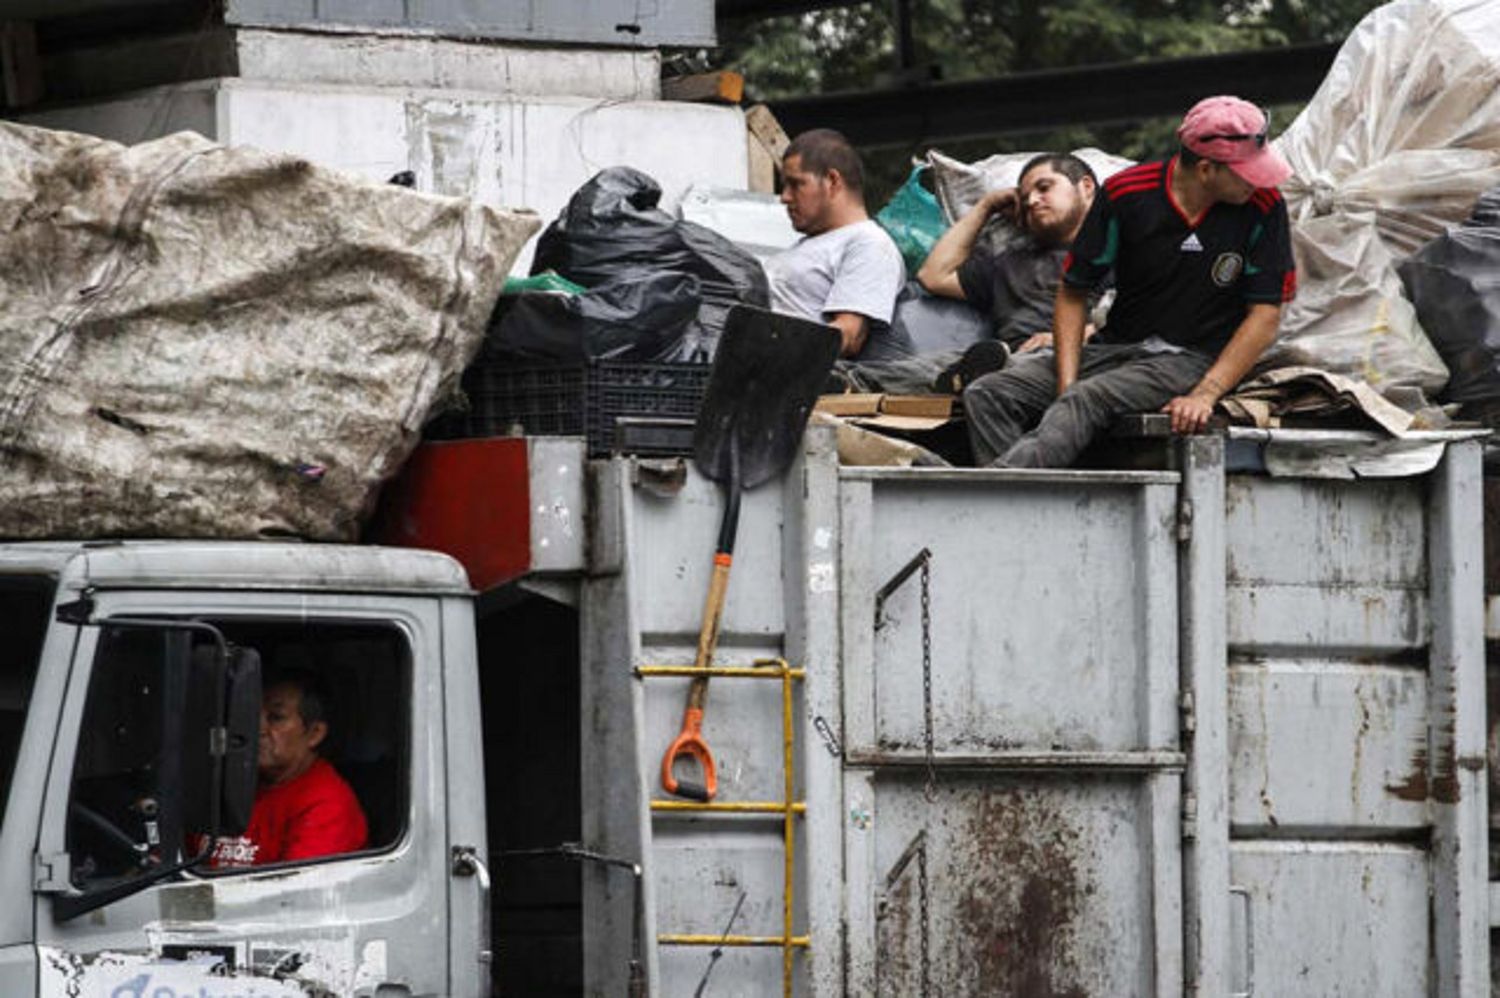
point(922, 902)
point(929, 791)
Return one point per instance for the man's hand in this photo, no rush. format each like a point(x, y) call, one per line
point(1003, 201)
point(853, 329)
point(1037, 341)
point(1190, 413)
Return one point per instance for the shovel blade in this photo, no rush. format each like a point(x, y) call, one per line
point(768, 372)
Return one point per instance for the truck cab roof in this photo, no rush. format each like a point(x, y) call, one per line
point(201, 564)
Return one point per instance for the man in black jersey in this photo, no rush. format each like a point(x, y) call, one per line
point(1201, 255)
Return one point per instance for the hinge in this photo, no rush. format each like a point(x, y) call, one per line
point(218, 740)
point(1184, 520)
point(1188, 713)
point(1189, 816)
point(53, 873)
point(79, 613)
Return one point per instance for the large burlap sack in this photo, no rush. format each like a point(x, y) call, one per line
point(198, 341)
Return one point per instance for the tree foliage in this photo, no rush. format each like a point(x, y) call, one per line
point(854, 48)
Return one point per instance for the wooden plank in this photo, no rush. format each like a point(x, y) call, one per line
point(722, 87)
point(767, 131)
point(762, 169)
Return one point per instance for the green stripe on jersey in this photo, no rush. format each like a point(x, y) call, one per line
point(1111, 245)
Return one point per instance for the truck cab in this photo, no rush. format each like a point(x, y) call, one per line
point(110, 776)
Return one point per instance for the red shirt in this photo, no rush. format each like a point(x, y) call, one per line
point(314, 815)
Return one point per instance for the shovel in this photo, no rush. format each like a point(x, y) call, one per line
point(767, 374)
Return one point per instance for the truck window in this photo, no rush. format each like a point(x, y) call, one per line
point(348, 796)
point(123, 771)
point(361, 676)
point(25, 604)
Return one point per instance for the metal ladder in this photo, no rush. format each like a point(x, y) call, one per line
point(788, 807)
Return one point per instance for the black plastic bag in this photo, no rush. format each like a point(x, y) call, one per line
point(1454, 282)
point(612, 229)
point(642, 319)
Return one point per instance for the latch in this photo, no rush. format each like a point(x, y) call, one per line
point(54, 873)
point(1188, 713)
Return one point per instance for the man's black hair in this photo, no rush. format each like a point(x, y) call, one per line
point(1065, 163)
point(312, 695)
point(823, 149)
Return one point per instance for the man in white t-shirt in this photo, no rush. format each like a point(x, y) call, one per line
point(845, 271)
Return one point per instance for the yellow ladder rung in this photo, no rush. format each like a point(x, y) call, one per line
point(719, 671)
point(731, 807)
point(685, 939)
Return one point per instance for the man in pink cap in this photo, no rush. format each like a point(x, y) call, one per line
point(1201, 256)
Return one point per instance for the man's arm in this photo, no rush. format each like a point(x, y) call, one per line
point(939, 273)
point(1190, 412)
point(1069, 317)
point(853, 329)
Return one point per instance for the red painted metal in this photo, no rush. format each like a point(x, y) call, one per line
point(467, 498)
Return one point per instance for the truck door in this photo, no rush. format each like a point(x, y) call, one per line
point(337, 916)
point(1013, 766)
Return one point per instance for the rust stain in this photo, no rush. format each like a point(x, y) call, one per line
point(1017, 913)
point(1445, 785)
point(1416, 785)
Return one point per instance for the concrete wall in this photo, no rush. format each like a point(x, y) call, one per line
point(530, 153)
point(594, 22)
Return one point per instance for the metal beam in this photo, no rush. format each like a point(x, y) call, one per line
point(745, 10)
point(1027, 102)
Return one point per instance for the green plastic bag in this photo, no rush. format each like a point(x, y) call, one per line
point(547, 280)
point(913, 220)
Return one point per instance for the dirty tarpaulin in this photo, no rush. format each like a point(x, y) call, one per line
point(1396, 145)
point(199, 341)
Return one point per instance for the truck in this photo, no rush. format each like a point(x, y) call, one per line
point(1207, 721)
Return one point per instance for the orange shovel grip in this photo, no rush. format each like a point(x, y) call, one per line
point(689, 742)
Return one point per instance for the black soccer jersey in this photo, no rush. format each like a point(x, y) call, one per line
point(1187, 281)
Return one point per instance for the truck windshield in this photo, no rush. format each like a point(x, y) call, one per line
point(25, 602)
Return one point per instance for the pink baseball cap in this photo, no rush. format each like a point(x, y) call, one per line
point(1233, 132)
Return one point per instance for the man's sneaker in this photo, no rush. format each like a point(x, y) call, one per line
point(982, 358)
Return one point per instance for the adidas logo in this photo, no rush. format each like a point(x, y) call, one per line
point(1191, 244)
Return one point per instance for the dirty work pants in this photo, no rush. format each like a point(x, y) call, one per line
point(1017, 420)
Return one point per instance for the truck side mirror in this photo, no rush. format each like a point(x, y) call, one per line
point(221, 759)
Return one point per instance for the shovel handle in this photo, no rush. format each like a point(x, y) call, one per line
point(690, 743)
point(713, 612)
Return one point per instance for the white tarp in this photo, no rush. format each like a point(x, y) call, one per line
point(198, 341)
point(1398, 142)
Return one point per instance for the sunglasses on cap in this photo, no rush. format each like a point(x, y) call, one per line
point(1259, 138)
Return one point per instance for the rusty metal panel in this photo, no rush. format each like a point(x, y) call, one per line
point(671, 557)
point(1336, 920)
point(1364, 726)
point(1036, 885)
point(703, 869)
point(1324, 564)
point(1052, 606)
point(1356, 730)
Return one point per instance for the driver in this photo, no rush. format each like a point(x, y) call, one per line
point(303, 809)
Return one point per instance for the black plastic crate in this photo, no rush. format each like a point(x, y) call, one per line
point(656, 401)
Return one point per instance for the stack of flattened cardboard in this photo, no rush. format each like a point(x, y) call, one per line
point(890, 430)
point(879, 411)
